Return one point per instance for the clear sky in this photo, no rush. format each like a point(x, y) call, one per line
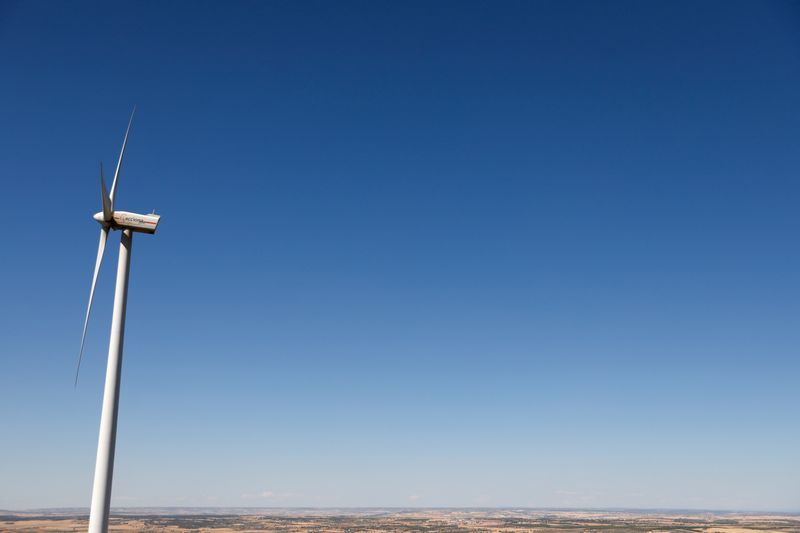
point(450, 253)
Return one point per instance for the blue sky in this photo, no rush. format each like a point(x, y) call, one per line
point(453, 253)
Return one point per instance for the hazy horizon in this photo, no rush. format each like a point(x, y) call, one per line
point(620, 510)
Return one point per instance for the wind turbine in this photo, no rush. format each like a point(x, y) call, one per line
point(128, 224)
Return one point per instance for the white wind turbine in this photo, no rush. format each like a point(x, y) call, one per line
point(128, 223)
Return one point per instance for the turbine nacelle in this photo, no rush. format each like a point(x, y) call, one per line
point(132, 221)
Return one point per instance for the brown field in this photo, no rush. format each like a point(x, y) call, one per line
point(407, 520)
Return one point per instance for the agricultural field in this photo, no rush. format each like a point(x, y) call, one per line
point(406, 520)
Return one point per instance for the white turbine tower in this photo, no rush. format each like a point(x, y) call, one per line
point(127, 223)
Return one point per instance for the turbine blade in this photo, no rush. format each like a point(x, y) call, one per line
point(107, 213)
point(100, 248)
point(119, 162)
